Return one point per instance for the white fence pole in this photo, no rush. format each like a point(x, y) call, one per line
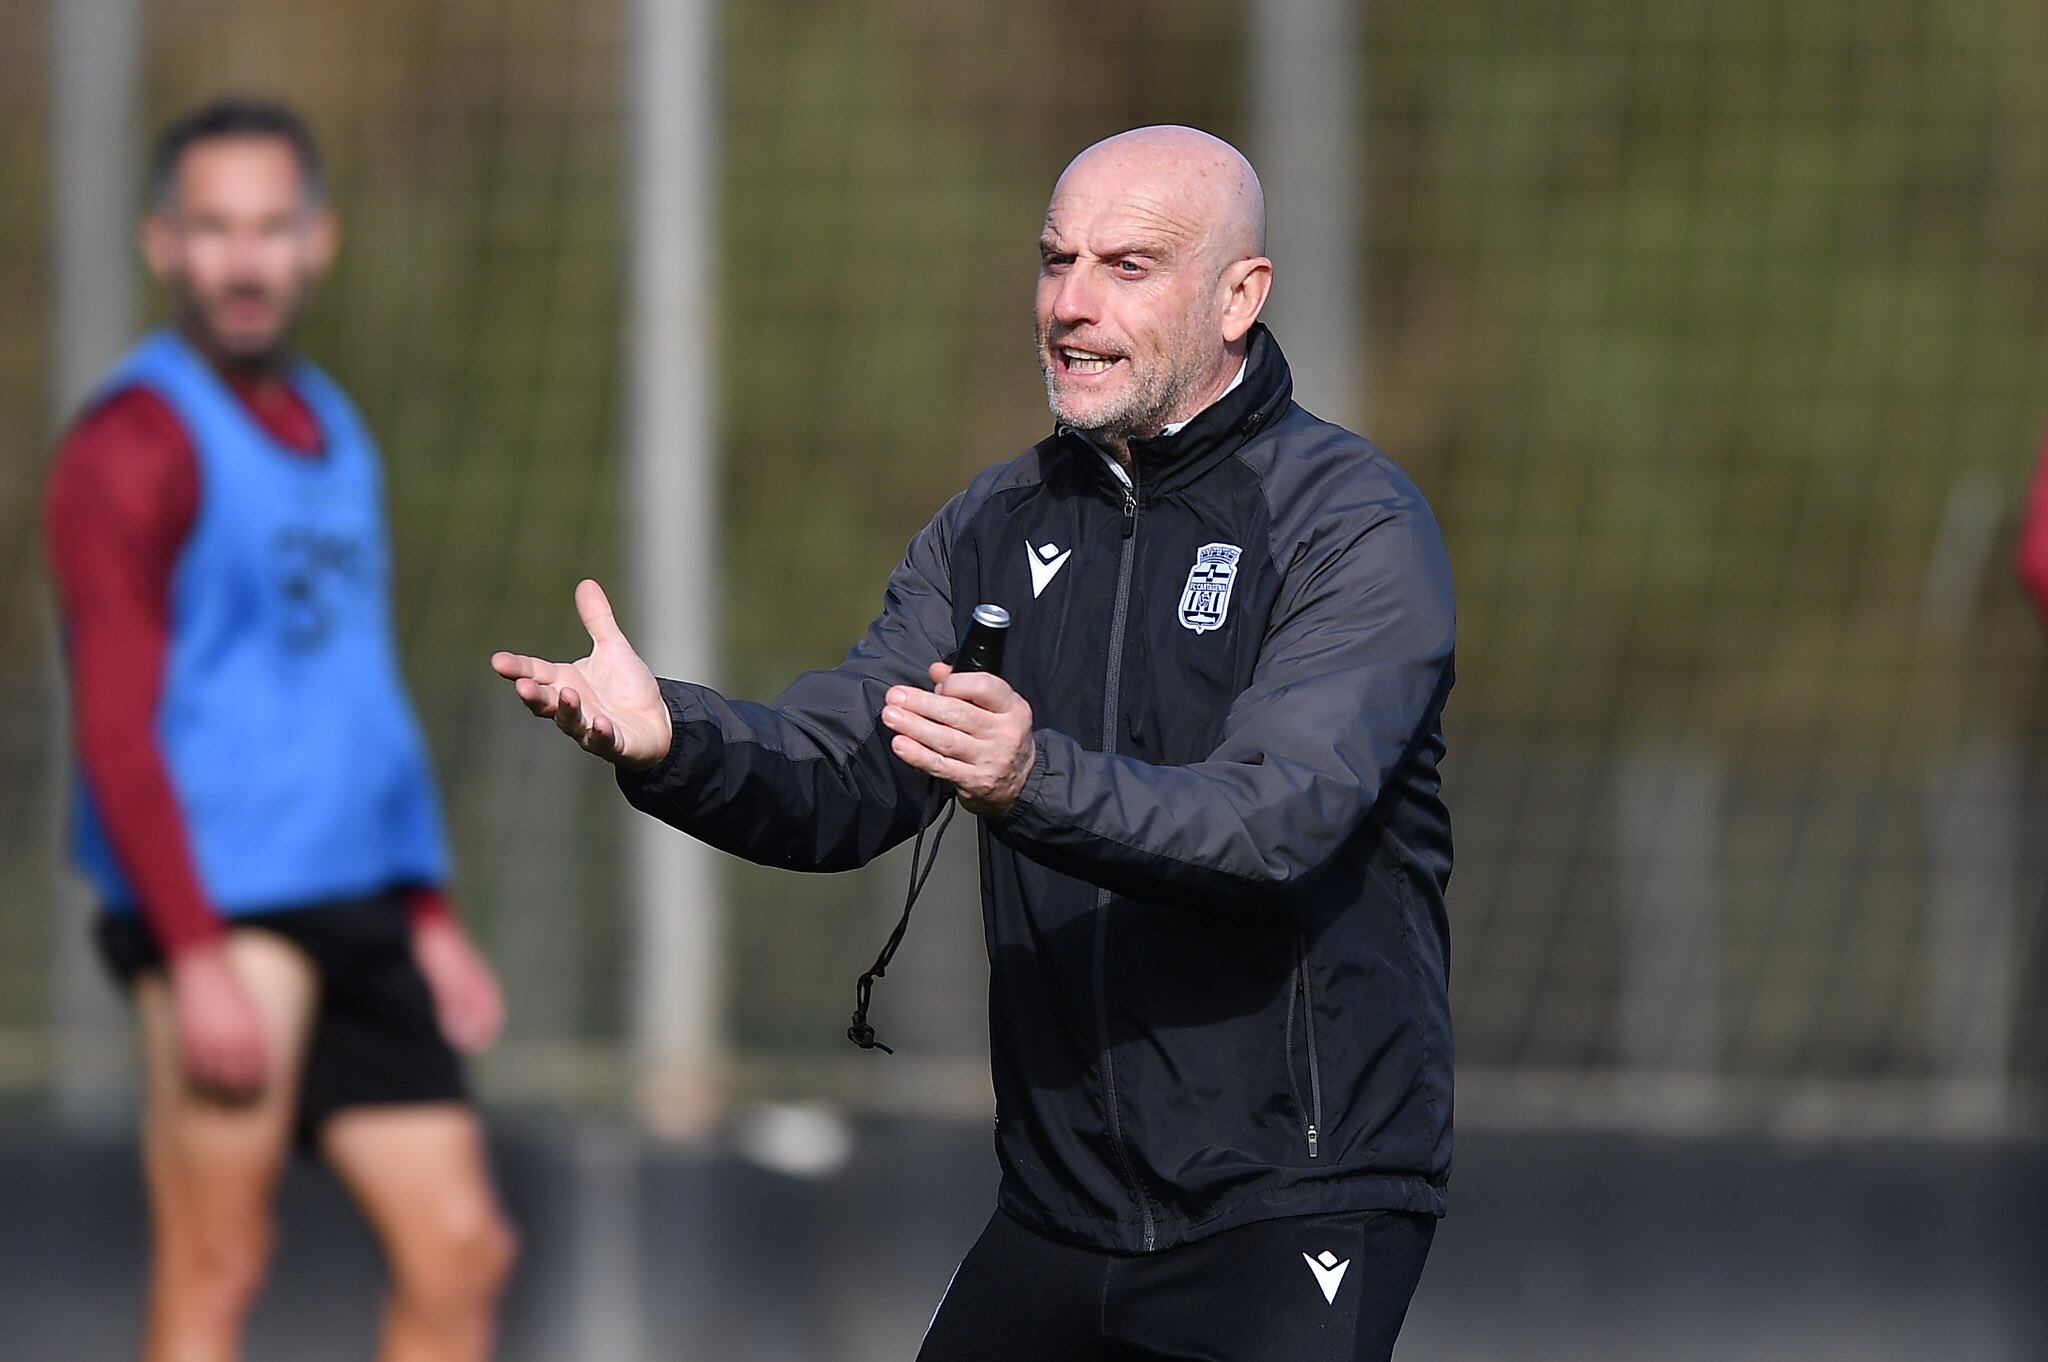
point(1973, 825)
point(671, 532)
point(1309, 148)
point(95, 64)
point(1669, 831)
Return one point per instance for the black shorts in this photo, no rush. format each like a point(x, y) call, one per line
point(1312, 1288)
point(375, 1041)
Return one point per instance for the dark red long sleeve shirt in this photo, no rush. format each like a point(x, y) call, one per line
point(2031, 562)
point(122, 498)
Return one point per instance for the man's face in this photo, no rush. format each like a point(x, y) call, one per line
point(1128, 311)
point(239, 244)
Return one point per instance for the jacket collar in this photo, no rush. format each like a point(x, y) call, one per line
point(1218, 431)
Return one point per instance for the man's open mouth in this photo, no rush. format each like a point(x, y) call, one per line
point(1076, 361)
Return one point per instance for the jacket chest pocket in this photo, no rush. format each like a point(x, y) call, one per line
point(1178, 692)
point(1194, 650)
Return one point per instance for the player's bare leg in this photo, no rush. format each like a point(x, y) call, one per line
point(212, 1167)
point(421, 1178)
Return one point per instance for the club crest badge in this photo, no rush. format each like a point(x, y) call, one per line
point(1206, 599)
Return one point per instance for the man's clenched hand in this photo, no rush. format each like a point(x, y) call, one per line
point(221, 1045)
point(971, 730)
point(468, 1002)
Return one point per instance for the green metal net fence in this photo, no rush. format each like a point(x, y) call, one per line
point(1713, 330)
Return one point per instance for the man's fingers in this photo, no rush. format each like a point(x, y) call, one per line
point(229, 1071)
point(248, 1074)
point(512, 666)
point(475, 1017)
point(490, 1009)
point(209, 1070)
point(984, 690)
point(594, 732)
point(941, 709)
point(936, 737)
point(538, 698)
point(569, 712)
point(596, 609)
point(914, 753)
point(473, 1028)
point(592, 729)
point(250, 1057)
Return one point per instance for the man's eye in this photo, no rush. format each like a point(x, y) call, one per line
point(1130, 269)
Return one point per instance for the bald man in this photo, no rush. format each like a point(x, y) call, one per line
point(1212, 840)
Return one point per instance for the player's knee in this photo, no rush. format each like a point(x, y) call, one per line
point(461, 1265)
point(497, 1253)
point(214, 1282)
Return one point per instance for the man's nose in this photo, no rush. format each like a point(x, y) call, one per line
point(244, 257)
point(256, 248)
point(1075, 303)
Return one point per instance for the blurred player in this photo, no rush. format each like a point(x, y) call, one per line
point(263, 836)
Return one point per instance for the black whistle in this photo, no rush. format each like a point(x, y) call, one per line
point(982, 648)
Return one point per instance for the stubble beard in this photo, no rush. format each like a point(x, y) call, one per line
point(1147, 403)
point(197, 313)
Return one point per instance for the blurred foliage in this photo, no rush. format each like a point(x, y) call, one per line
point(1697, 319)
point(1694, 314)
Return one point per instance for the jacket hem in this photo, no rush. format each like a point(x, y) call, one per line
point(1373, 1192)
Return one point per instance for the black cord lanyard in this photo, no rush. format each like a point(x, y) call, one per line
point(981, 650)
point(921, 864)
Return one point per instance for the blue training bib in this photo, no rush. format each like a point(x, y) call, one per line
point(293, 749)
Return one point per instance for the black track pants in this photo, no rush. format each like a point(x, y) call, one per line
point(1319, 1288)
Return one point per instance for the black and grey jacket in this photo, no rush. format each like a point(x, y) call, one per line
point(1215, 918)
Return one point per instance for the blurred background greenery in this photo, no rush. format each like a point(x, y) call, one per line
point(1712, 328)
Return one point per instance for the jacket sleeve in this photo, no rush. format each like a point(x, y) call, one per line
point(808, 782)
point(1352, 673)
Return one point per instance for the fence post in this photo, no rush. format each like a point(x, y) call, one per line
point(1973, 798)
point(671, 532)
point(1308, 135)
point(1669, 832)
point(95, 65)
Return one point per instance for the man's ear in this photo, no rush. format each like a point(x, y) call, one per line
point(159, 240)
point(1246, 286)
point(323, 241)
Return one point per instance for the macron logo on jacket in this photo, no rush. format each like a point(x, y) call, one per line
point(1046, 562)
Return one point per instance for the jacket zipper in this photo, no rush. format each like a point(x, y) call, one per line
point(1308, 1031)
point(1112, 682)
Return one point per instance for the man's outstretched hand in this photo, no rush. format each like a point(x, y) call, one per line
point(609, 702)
